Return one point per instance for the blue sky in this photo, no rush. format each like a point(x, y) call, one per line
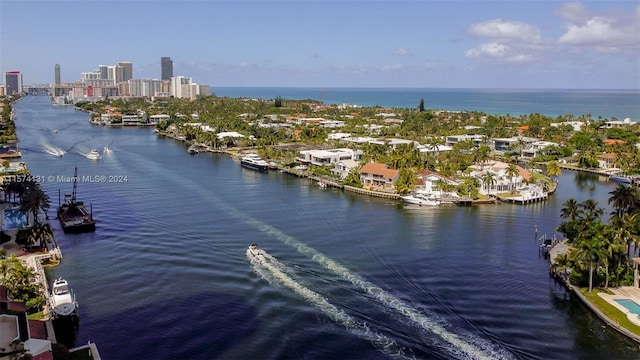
point(433, 44)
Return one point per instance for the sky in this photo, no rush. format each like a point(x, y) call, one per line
point(318, 43)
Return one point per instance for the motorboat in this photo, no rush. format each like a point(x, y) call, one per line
point(62, 300)
point(94, 154)
point(620, 179)
point(254, 250)
point(323, 185)
point(192, 150)
point(421, 199)
point(255, 162)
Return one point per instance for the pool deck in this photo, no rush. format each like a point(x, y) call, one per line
point(624, 292)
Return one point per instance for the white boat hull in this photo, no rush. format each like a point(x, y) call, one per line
point(419, 200)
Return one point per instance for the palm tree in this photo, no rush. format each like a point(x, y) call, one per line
point(591, 210)
point(624, 199)
point(554, 170)
point(489, 179)
point(588, 250)
point(512, 172)
point(34, 200)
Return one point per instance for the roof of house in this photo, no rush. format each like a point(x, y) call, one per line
point(379, 169)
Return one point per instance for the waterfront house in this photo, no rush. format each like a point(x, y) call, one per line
point(607, 161)
point(429, 182)
point(617, 123)
point(329, 157)
point(18, 334)
point(344, 167)
point(379, 177)
point(154, 119)
point(502, 181)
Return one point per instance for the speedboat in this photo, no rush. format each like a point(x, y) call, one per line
point(62, 300)
point(255, 162)
point(421, 199)
point(254, 250)
point(94, 154)
point(620, 179)
point(192, 150)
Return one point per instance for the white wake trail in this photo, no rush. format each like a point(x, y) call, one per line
point(263, 263)
point(460, 346)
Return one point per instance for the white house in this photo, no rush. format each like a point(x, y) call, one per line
point(454, 139)
point(503, 182)
point(535, 147)
point(428, 182)
point(154, 119)
point(328, 157)
point(344, 167)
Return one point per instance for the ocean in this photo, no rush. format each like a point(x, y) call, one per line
point(166, 275)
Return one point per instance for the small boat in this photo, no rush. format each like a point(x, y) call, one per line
point(254, 250)
point(94, 154)
point(193, 150)
point(322, 185)
point(62, 300)
point(255, 162)
point(620, 179)
point(421, 199)
point(55, 131)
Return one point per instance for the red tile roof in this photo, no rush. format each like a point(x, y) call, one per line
point(379, 169)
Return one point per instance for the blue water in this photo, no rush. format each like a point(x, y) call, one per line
point(14, 219)
point(630, 305)
point(607, 104)
point(350, 277)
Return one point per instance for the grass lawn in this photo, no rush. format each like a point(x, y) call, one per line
point(609, 310)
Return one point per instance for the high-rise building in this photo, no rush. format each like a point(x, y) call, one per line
point(166, 67)
point(13, 82)
point(127, 71)
point(57, 74)
point(103, 70)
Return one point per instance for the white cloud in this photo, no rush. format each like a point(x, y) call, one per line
point(493, 50)
point(402, 52)
point(613, 31)
point(392, 67)
point(499, 29)
point(497, 51)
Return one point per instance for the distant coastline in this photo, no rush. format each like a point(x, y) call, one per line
point(605, 103)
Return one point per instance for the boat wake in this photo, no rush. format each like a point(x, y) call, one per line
point(270, 269)
point(53, 150)
point(467, 346)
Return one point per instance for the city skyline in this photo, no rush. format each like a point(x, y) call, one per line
point(462, 44)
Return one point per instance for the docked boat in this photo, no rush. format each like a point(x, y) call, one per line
point(72, 214)
point(62, 300)
point(193, 150)
point(255, 162)
point(421, 199)
point(94, 154)
point(620, 179)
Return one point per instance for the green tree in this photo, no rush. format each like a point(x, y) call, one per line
point(421, 106)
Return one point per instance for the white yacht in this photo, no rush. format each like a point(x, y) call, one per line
point(62, 300)
point(94, 154)
point(421, 199)
point(255, 162)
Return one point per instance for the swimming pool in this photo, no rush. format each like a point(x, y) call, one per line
point(14, 219)
point(630, 305)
